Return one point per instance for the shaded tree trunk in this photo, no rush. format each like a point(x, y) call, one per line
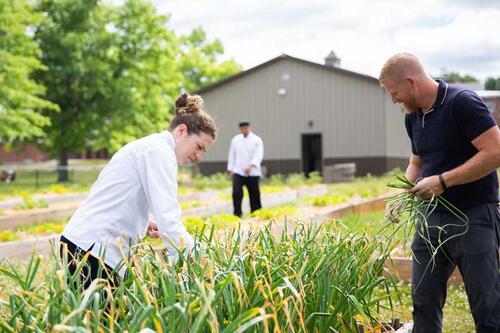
point(62, 167)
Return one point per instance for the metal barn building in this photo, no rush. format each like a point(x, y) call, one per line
point(309, 116)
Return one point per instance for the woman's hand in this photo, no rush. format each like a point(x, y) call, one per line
point(153, 229)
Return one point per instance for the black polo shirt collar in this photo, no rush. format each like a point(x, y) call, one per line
point(441, 95)
point(440, 98)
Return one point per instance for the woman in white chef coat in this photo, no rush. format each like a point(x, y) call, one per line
point(140, 178)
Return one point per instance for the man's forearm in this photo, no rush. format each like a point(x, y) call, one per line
point(475, 168)
point(413, 172)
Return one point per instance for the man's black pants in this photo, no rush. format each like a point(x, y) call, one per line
point(252, 184)
point(477, 258)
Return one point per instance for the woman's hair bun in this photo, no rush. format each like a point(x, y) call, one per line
point(181, 101)
point(189, 111)
point(186, 103)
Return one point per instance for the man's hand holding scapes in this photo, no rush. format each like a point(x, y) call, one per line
point(428, 187)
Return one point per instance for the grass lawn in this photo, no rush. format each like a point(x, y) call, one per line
point(43, 180)
point(457, 317)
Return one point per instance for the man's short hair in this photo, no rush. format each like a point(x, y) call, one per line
point(399, 66)
point(243, 123)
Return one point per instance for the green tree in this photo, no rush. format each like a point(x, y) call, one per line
point(114, 72)
point(145, 77)
point(492, 83)
point(20, 101)
point(457, 77)
point(198, 61)
point(75, 46)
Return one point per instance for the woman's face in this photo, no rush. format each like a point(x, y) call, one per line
point(190, 148)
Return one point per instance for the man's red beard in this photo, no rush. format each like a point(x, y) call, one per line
point(410, 106)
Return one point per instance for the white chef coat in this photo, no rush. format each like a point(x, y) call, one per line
point(244, 151)
point(140, 178)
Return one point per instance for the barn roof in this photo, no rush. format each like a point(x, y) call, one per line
point(280, 58)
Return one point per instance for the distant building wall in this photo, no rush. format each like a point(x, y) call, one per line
point(347, 110)
point(21, 154)
point(287, 98)
point(493, 104)
point(31, 153)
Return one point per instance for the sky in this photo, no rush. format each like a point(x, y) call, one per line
point(447, 35)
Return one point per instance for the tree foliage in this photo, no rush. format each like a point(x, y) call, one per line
point(114, 71)
point(198, 61)
point(492, 83)
point(457, 77)
point(20, 95)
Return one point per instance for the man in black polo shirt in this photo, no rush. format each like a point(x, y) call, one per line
point(455, 152)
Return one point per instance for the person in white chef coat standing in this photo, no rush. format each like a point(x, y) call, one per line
point(245, 156)
point(141, 178)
